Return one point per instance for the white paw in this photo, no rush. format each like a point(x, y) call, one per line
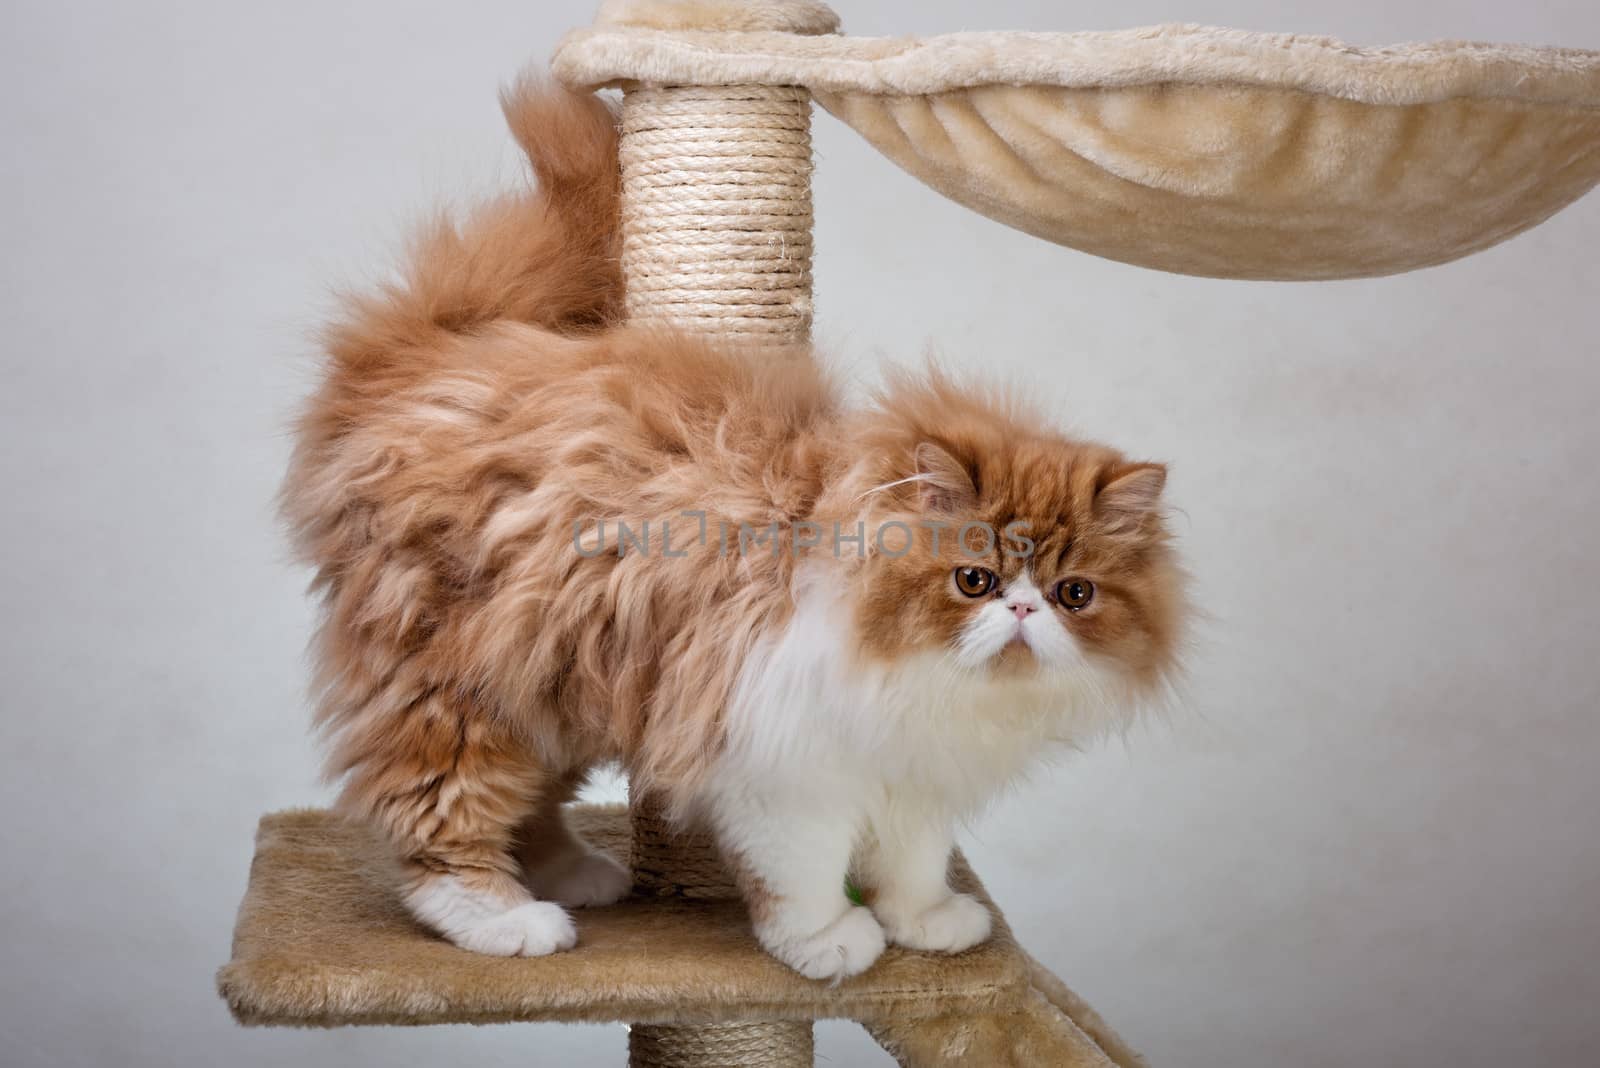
point(587, 879)
point(845, 947)
point(532, 929)
point(958, 922)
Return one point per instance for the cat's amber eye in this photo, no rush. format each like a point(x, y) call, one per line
point(1074, 593)
point(974, 581)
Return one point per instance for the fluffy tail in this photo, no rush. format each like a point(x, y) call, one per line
point(546, 256)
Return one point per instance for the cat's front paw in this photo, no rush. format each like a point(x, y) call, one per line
point(845, 947)
point(958, 922)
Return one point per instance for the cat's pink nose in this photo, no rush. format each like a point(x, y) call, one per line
point(1022, 610)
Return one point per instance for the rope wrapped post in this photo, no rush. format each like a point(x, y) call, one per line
point(667, 861)
point(716, 239)
point(736, 1045)
point(716, 209)
point(673, 862)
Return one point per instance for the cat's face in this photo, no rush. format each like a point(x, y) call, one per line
point(1037, 557)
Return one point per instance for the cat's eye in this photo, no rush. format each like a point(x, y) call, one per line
point(1074, 593)
point(974, 581)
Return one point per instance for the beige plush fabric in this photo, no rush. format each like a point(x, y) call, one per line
point(323, 940)
point(789, 16)
point(1189, 149)
point(1035, 1033)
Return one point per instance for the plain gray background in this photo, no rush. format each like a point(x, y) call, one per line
point(1367, 838)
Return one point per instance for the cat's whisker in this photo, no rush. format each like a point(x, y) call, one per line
point(864, 494)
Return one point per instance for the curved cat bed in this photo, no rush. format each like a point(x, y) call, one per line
point(1182, 148)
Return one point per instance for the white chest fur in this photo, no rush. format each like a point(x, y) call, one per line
point(930, 730)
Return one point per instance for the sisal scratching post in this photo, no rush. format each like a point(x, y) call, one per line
point(768, 1045)
point(716, 239)
point(671, 863)
point(716, 210)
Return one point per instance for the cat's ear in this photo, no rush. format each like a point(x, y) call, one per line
point(943, 483)
point(1131, 497)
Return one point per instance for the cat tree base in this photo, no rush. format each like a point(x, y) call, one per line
point(323, 940)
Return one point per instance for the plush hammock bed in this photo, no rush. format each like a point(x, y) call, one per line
point(1183, 148)
point(1201, 151)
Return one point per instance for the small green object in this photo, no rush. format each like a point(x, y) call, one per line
point(853, 892)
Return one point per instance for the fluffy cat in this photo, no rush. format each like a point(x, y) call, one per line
point(848, 628)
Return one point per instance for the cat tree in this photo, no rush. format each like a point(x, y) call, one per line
point(1202, 151)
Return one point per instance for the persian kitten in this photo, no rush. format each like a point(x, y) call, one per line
point(546, 539)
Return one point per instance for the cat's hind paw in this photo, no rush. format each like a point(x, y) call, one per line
point(497, 920)
point(847, 946)
point(532, 929)
point(958, 922)
point(587, 880)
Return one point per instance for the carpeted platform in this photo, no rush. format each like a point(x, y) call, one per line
point(323, 940)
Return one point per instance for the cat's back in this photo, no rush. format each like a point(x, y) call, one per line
point(476, 443)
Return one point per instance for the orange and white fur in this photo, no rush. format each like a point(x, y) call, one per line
point(823, 704)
